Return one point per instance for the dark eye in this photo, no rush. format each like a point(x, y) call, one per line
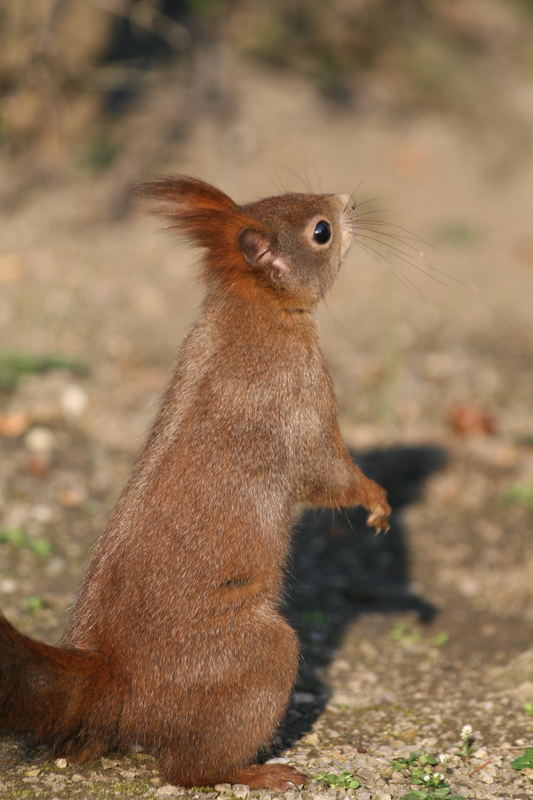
point(322, 232)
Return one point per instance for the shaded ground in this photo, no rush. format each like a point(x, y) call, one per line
point(406, 638)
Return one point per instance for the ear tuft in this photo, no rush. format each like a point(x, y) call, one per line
point(185, 190)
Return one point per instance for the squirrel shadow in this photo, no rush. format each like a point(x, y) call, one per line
point(340, 569)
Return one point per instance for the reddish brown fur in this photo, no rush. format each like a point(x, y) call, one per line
point(176, 642)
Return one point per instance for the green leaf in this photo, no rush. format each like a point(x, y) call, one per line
point(14, 366)
point(518, 494)
point(34, 603)
point(41, 547)
point(343, 779)
point(525, 760)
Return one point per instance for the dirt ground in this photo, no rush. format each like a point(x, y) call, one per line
point(406, 638)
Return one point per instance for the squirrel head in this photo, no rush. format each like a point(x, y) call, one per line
point(289, 247)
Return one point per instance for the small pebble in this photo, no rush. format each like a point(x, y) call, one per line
point(61, 763)
point(167, 791)
point(42, 513)
point(13, 424)
point(40, 440)
point(303, 698)
point(74, 401)
point(109, 763)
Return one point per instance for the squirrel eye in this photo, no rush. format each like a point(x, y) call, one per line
point(322, 232)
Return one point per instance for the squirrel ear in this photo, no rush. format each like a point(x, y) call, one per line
point(257, 250)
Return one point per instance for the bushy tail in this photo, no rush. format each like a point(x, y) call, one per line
point(49, 695)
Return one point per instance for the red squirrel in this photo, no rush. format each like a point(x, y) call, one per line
point(175, 641)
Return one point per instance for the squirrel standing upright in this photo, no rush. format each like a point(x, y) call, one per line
point(176, 642)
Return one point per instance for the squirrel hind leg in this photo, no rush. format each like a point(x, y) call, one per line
point(77, 752)
point(276, 777)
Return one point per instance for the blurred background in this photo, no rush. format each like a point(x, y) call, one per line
point(424, 109)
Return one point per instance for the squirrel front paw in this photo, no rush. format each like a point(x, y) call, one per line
point(378, 507)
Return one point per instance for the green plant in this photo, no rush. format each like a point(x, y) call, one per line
point(402, 632)
point(431, 780)
point(414, 760)
point(316, 619)
point(525, 760)
point(14, 366)
point(528, 708)
point(342, 779)
point(419, 769)
point(467, 742)
point(444, 793)
point(99, 153)
point(518, 494)
point(458, 234)
point(17, 537)
point(34, 603)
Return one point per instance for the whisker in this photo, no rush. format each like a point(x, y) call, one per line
point(385, 223)
point(419, 254)
point(406, 282)
point(407, 259)
point(305, 183)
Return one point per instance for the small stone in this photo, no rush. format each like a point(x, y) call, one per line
point(33, 772)
point(73, 497)
point(42, 513)
point(223, 787)
point(61, 763)
point(7, 586)
point(109, 763)
point(303, 698)
point(129, 774)
point(77, 778)
point(167, 791)
point(40, 440)
point(408, 736)
point(74, 401)
point(13, 424)
point(240, 790)
point(12, 267)
point(279, 760)
point(488, 773)
point(37, 466)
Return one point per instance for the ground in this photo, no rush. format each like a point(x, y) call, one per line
point(408, 637)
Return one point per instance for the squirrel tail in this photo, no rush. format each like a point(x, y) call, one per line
point(51, 695)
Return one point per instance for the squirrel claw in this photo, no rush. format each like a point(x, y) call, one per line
point(379, 519)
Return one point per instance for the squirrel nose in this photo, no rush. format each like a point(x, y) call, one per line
point(346, 199)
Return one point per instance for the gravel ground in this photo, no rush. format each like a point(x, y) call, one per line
point(406, 638)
